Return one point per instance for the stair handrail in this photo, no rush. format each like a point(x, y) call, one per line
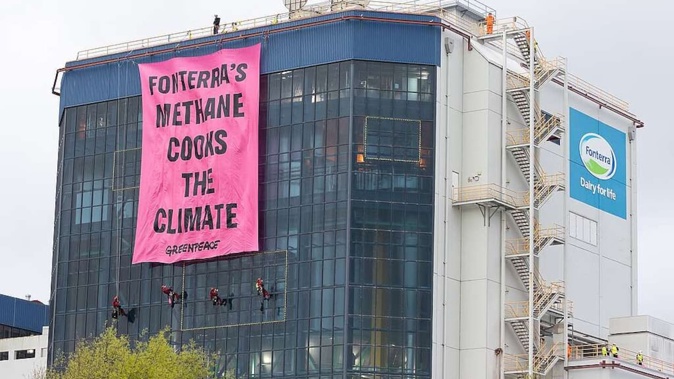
point(559, 307)
point(516, 80)
point(488, 191)
point(503, 23)
point(546, 292)
point(515, 362)
point(519, 136)
point(556, 179)
point(544, 356)
point(553, 232)
point(594, 351)
point(517, 309)
point(545, 126)
point(466, 24)
point(517, 246)
point(546, 65)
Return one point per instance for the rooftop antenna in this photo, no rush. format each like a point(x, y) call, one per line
point(295, 8)
point(294, 5)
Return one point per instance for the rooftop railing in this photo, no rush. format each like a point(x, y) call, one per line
point(437, 8)
point(579, 352)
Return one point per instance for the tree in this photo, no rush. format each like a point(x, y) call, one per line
point(111, 356)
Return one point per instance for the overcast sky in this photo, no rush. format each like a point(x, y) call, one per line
point(619, 46)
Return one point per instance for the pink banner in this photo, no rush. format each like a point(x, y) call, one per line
point(199, 169)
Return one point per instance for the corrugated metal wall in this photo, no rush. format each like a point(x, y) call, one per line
point(23, 314)
point(312, 45)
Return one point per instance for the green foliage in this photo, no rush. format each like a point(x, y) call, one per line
point(110, 356)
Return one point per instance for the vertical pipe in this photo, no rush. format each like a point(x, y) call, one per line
point(57, 240)
point(633, 222)
point(504, 126)
point(567, 132)
point(532, 161)
point(446, 207)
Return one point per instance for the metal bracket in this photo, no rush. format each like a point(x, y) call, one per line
point(487, 214)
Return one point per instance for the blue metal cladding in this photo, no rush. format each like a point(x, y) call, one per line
point(23, 314)
point(308, 46)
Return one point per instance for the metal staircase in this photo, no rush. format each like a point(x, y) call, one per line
point(524, 317)
point(545, 301)
point(521, 218)
point(521, 330)
point(523, 44)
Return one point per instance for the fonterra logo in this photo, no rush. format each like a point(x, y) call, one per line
point(598, 156)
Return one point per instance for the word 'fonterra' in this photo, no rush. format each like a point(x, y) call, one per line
point(597, 156)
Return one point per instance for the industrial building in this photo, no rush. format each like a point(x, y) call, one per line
point(24, 334)
point(437, 198)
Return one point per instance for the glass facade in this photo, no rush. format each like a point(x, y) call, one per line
point(346, 154)
point(10, 332)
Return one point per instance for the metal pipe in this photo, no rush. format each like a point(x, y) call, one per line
point(567, 128)
point(638, 123)
point(504, 126)
point(532, 219)
point(634, 247)
point(446, 206)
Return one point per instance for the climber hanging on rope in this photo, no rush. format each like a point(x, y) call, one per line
point(215, 297)
point(117, 309)
point(173, 298)
point(261, 291)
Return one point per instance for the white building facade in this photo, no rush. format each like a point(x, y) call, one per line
point(572, 228)
point(24, 357)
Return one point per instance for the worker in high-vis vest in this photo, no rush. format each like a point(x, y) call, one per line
point(604, 350)
point(490, 23)
point(614, 351)
point(640, 358)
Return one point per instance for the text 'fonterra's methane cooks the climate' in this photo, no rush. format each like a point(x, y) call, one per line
point(199, 170)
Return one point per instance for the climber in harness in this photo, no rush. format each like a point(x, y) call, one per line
point(261, 291)
point(117, 309)
point(215, 297)
point(173, 298)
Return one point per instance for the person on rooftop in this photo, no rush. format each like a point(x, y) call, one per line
point(490, 23)
point(216, 25)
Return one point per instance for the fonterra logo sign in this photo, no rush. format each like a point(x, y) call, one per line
point(597, 156)
point(598, 169)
